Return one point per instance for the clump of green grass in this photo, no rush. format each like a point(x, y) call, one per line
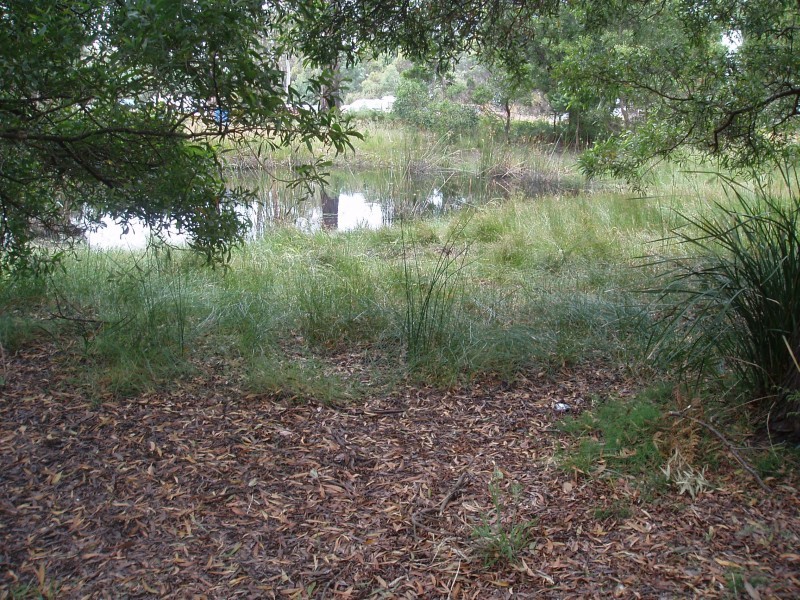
point(18, 331)
point(433, 296)
point(512, 252)
point(502, 536)
point(21, 300)
point(339, 300)
point(744, 585)
point(487, 226)
point(135, 314)
point(620, 434)
point(777, 460)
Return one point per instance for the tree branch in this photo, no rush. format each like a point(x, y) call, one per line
point(731, 116)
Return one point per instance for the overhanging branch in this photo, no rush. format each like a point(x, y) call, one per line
point(731, 116)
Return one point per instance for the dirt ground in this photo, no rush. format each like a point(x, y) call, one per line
point(204, 491)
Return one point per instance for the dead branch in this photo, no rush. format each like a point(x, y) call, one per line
point(453, 491)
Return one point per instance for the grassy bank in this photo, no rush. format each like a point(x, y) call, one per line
point(504, 347)
point(404, 151)
point(491, 292)
point(500, 292)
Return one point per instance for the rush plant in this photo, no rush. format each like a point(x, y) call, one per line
point(734, 305)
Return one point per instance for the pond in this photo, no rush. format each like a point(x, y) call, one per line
point(350, 200)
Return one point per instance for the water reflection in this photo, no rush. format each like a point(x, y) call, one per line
point(371, 199)
point(135, 236)
point(353, 211)
point(330, 209)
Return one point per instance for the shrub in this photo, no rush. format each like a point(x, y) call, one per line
point(411, 102)
point(415, 106)
point(447, 117)
point(735, 307)
point(482, 94)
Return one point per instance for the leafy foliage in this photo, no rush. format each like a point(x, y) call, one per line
point(415, 106)
point(116, 109)
point(715, 79)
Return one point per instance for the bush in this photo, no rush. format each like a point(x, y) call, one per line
point(482, 94)
point(415, 106)
point(736, 307)
point(411, 102)
point(532, 131)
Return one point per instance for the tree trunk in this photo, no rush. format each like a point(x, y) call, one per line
point(330, 94)
point(575, 119)
point(507, 106)
point(287, 80)
point(330, 210)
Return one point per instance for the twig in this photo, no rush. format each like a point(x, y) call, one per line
point(415, 523)
point(462, 479)
point(453, 583)
point(83, 320)
point(725, 441)
point(453, 491)
point(382, 413)
point(458, 485)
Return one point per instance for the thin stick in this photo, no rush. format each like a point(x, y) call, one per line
point(416, 523)
point(730, 447)
point(453, 491)
point(453, 583)
point(459, 484)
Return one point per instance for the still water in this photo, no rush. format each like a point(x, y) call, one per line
point(349, 200)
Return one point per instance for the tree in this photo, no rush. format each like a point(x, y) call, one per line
point(120, 107)
point(117, 108)
point(535, 63)
point(720, 80)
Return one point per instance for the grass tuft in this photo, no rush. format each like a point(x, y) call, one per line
point(734, 305)
point(502, 536)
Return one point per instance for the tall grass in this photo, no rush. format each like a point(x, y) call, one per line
point(734, 304)
point(405, 151)
point(134, 316)
point(545, 282)
point(338, 297)
point(432, 295)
